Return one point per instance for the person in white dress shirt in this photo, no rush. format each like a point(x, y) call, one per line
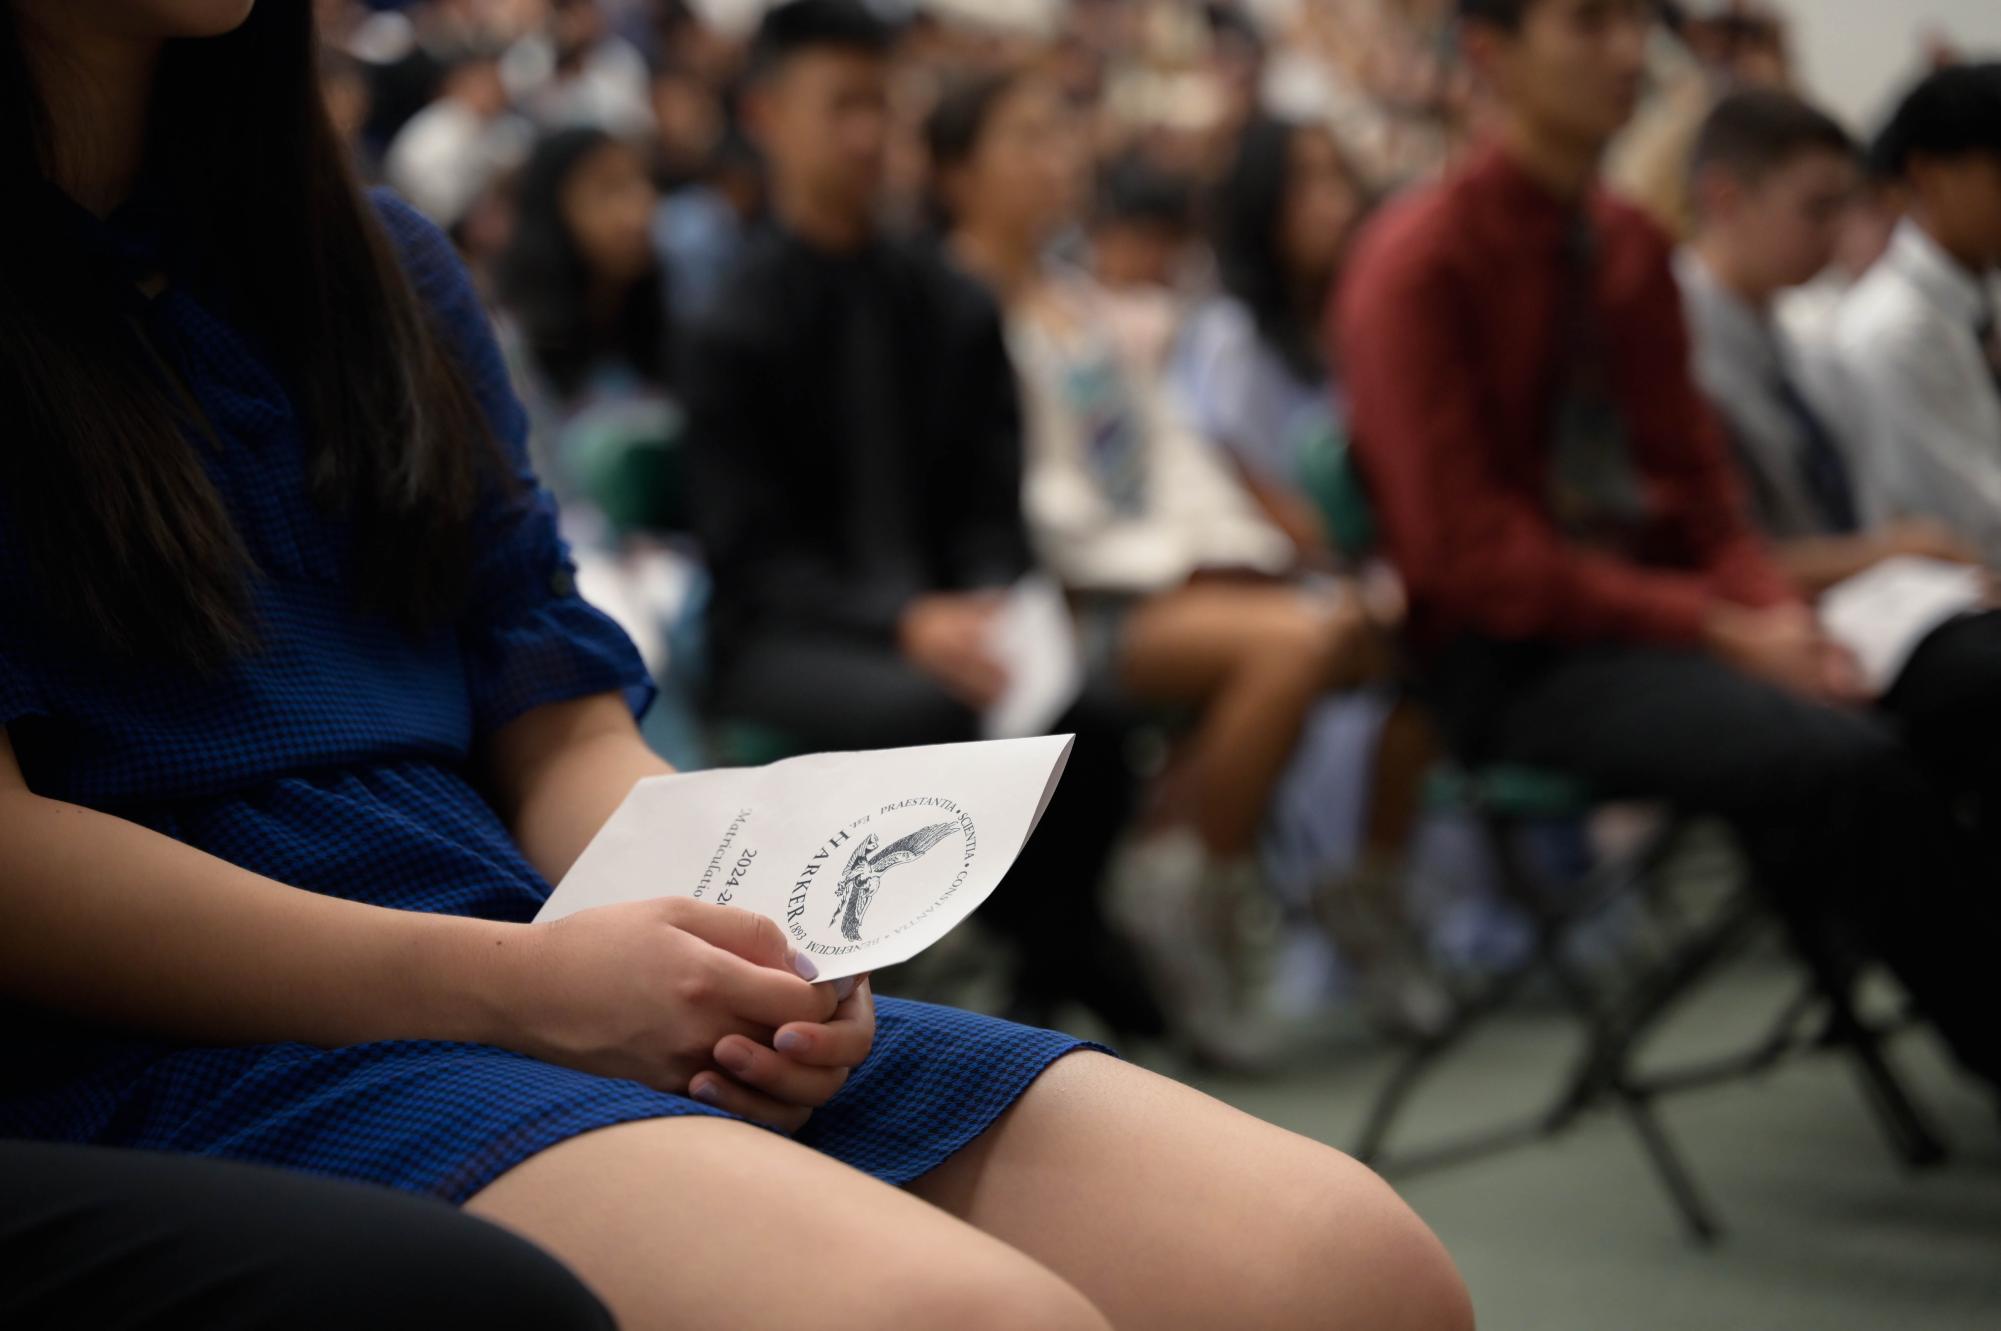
point(1770, 176)
point(1915, 342)
point(1770, 179)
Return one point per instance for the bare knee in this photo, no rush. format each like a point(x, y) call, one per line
point(1300, 635)
point(1365, 1259)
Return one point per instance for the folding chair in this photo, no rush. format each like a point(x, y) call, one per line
point(1505, 802)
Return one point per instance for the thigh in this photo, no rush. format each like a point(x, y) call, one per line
point(714, 1224)
point(1682, 726)
point(105, 1239)
point(841, 695)
point(1170, 1209)
point(1948, 699)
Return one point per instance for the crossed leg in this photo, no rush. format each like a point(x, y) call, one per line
point(1105, 1197)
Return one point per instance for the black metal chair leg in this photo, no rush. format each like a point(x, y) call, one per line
point(1912, 1139)
point(1670, 1168)
point(1609, 1041)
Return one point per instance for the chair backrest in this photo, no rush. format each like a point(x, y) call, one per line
point(631, 462)
point(1328, 474)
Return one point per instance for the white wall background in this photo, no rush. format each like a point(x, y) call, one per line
point(1856, 55)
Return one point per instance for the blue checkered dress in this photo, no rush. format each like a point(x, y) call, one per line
point(336, 759)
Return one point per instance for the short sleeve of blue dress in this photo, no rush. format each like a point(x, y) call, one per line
point(339, 758)
point(532, 639)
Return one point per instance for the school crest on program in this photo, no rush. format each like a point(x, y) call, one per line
point(881, 875)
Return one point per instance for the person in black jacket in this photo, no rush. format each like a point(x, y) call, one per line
point(857, 465)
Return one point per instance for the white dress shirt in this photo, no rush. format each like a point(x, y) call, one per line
point(1917, 383)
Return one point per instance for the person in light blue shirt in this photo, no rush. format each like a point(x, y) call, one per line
point(1250, 365)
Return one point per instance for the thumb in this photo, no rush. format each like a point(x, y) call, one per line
point(749, 935)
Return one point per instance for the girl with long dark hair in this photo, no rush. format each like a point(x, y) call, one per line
point(300, 715)
point(579, 274)
point(1250, 365)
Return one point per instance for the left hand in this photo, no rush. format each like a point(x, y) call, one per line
point(807, 1062)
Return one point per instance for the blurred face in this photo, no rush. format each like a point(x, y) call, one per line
point(822, 119)
point(1785, 227)
point(1137, 254)
point(1572, 72)
point(607, 203)
point(1961, 201)
point(1322, 204)
point(1025, 176)
point(478, 85)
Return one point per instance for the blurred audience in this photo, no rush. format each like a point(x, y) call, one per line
point(1770, 174)
point(1916, 339)
point(451, 152)
point(1585, 590)
point(776, 406)
point(1184, 591)
point(858, 486)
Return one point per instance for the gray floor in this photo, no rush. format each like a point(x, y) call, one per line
point(1825, 1232)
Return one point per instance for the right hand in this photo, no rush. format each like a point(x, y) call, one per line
point(1784, 645)
point(646, 989)
point(945, 635)
point(1927, 539)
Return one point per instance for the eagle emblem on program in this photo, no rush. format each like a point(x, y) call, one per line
point(863, 876)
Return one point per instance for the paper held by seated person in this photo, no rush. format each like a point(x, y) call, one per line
point(1884, 613)
point(1035, 642)
point(863, 859)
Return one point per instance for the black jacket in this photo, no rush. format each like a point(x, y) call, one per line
point(855, 440)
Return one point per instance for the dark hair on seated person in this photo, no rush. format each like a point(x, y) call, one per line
point(1133, 190)
point(956, 125)
point(1756, 131)
point(544, 279)
point(1246, 215)
point(1502, 13)
point(105, 463)
point(798, 26)
point(1951, 113)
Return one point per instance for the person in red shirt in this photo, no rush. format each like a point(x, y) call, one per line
point(1587, 592)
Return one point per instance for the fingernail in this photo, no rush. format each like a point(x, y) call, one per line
point(804, 966)
point(844, 989)
point(791, 1042)
point(708, 1094)
point(734, 1057)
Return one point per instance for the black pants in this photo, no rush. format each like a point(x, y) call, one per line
point(1846, 818)
point(104, 1240)
point(834, 694)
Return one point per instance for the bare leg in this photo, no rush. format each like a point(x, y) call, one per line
point(1254, 658)
point(1170, 1209)
point(709, 1223)
point(1406, 751)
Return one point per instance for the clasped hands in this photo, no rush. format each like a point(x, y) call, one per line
point(696, 999)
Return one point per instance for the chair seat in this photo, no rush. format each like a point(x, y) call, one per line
point(1509, 789)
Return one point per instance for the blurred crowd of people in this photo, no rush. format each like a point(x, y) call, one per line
point(836, 322)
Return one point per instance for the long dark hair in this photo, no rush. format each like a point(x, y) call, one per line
point(131, 548)
point(545, 281)
point(1249, 211)
point(955, 128)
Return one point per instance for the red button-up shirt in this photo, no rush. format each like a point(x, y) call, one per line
point(1452, 338)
